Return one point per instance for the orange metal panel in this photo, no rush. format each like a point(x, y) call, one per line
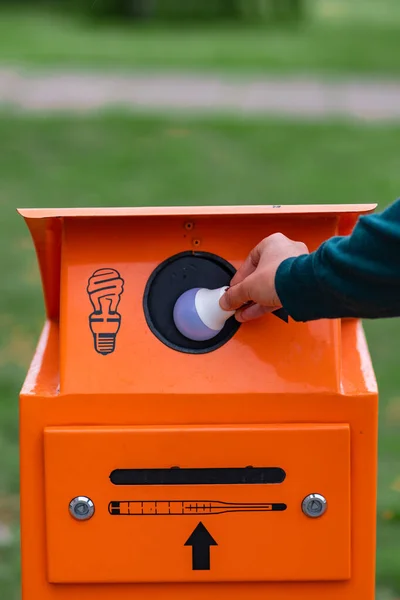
point(302, 356)
point(154, 211)
point(146, 541)
point(41, 411)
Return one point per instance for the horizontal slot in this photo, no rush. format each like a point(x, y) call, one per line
point(204, 476)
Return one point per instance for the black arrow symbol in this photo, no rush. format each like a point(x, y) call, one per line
point(201, 540)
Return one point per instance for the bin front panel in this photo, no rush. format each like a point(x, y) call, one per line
point(198, 504)
point(121, 255)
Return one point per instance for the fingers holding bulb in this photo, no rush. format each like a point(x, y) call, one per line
point(252, 312)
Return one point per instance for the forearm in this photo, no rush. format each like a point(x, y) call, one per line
point(352, 276)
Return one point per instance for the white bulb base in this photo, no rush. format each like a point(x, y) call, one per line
point(198, 314)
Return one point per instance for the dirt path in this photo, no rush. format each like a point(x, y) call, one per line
point(299, 97)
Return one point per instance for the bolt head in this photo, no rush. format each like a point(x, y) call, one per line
point(81, 508)
point(314, 506)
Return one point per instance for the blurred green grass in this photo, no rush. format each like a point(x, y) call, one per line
point(123, 160)
point(337, 36)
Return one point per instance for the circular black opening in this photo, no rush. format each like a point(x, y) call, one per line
point(172, 278)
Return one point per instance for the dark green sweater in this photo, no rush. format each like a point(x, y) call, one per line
point(352, 276)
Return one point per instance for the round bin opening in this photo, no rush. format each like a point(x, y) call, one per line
point(170, 280)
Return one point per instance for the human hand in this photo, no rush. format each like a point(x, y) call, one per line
point(252, 292)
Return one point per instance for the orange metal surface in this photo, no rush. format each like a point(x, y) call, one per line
point(195, 211)
point(248, 364)
point(148, 546)
point(300, 395)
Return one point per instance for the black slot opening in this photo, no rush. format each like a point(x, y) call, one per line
point(206, 476)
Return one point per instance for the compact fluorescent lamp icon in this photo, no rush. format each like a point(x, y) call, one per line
point(105, 287)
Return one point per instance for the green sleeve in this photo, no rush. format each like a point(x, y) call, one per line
point(348, 276)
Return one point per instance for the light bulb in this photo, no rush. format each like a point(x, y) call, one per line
point(105, 287)
point(198, 315)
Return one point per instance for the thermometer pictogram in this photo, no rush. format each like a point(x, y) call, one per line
point(145, 508)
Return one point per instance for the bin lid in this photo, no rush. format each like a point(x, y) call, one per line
point(164, 211)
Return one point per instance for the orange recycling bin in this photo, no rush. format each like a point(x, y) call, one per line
point(159, 468)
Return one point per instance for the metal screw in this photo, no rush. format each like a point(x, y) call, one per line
point(81, 508)
point(314, 505)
